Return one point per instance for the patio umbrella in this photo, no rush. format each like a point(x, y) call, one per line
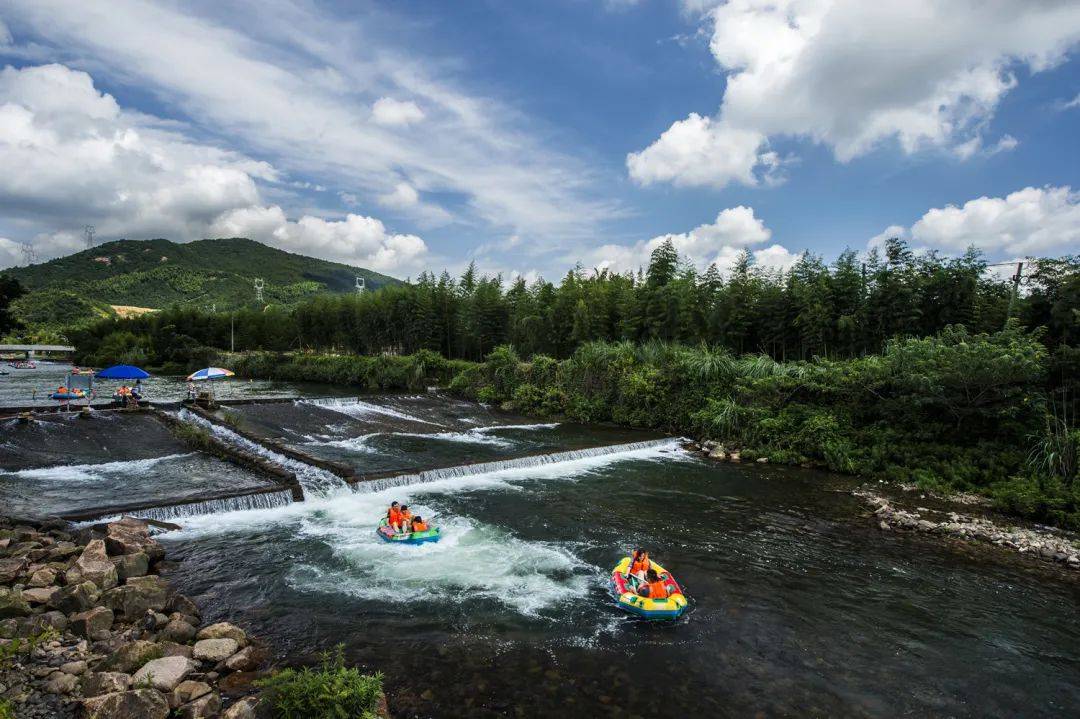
point(210, 373)
point(122, 371)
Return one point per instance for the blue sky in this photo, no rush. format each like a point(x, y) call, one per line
point(532, 135)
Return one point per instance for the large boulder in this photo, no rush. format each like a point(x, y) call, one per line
point(247, 659)
point(223, 630)
point(12, 604)
point(44, 577)
point(75, 598)
point(97, 683)
point(214, 650)
point(131, 536)
point(164, 674)
point(93, 565)
point(39, 595)
point(138, 595)
point(61, 683)
point(131, 565)
point(89, 623)
point(130, 657)
point(188, 691)
point(180, 604)
point(177, 630)
point(137, 704)
point(11, 568)
point(206, 706)
point(243, 709)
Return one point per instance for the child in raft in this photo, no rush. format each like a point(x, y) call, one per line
point(418, 524)
point(393, 517)
point(639, 565)
point(654, 587)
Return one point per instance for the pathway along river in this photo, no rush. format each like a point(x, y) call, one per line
point(800, 607)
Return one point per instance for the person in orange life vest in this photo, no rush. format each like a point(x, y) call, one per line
point(393, 517)
point(639, 565)
point(419, 525)
point(654, 587)
point(406, 518)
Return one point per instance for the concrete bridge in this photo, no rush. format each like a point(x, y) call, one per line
point(30, 351)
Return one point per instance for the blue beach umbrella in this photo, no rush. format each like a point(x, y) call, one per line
point(210, 373)
point(122, 371)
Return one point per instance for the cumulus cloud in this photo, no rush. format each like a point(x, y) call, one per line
point(356, 240)
point(11, 253)
point(82, 159)
point(1034, 220)
point(388, 111)
point(852, 75)
point(720, 242)
point(403, 195)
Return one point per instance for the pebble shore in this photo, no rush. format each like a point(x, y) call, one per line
point(88, 628)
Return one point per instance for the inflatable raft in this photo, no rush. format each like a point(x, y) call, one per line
point(68, 396)
point(389, 535)
point(628, 599)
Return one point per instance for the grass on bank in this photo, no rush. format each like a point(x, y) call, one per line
point(331, 691)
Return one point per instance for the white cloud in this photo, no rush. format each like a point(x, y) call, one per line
point(852, 75)
point(356, 240)
point(403, 195)
point(11, 253)
point(388, 111)
point(82, 159)
point(720, 243)
point(1075, 102)
point(1031, 221)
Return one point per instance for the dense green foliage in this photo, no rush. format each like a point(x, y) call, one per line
point(416, 371)
point(331, 691)
point(956, 411)
point(847, 309)
point(10, 290)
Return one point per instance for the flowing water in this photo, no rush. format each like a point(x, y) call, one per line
point(799, 606)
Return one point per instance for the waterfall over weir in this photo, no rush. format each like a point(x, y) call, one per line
point(264, 500)
point(467, 470)
point(315, 481)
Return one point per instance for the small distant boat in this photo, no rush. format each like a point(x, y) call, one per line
point(68, 396)
point(389, 535)
point(22, 364)
point(628, 599)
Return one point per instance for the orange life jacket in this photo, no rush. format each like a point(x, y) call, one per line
point(419, 527)
point(394, 516)
point(641, 565)
point(406, 517)
point(658, 590)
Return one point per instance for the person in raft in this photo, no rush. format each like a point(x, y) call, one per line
point(406, 519)
point(654, 587)
point(393, 517)
point(639, 565)
point(419, 525)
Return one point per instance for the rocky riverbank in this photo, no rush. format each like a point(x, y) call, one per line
point(1041, 542)
point(88, 628)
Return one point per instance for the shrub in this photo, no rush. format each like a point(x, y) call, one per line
point(332, 691)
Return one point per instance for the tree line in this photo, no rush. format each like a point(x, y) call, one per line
point(848, 308)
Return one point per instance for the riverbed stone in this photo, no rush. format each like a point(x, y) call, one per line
point(135, 704)
point(97, 683)
point(89, 623)
point(187, 691)
point(131, 565)
point(177, 630)
point(75, 598)
point(208, 705)
point(61, 683)
point(223, 630)
point(44, 577)
point(180, 604)
point(39, 595)
point(242, 709)
point(93, 565)
point(11, 568)
point(137, 596)
point(12, 604)
point(131, 536)
point(164, 674)
point(131, 656)
point(215, 650)
point(247, 659)
point(74, 668)
point(174, 649)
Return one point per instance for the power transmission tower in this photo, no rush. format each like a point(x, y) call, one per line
point(1015, 290)
point(360, 286)
point(88, 231)
point(259, 284)
point(29, 254)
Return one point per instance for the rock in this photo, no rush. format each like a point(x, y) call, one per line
point(93, 565)
point(208, 705)
point(131, 536)
point(77, 598)
point(734, 457)
point(60, 683)
point(88, 623)
point(246, 660)
point(138, 596)
point(12, 604)
point(177, 630)
point(137, 704)
point(164, 674)
point(11, 568)
point(39, 595)
point(188, 691)
point(45, 577)
point(63, 551)
point(215, 650)
point(74, 668)
point(131, 565)
point(223, 630)
point(178, 603)
point(131, 656)
point(56, 620)
point(718, 453)
point(98, 683)
point(243, 709)
point(884, 526)
point(172, 649)
point(762, 460)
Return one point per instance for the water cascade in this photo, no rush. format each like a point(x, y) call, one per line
point(263, 500)
point(360, 409)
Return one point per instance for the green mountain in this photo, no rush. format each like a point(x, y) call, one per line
point(80, 288)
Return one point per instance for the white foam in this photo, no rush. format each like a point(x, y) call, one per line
point(360, 409)
point(93, 472)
